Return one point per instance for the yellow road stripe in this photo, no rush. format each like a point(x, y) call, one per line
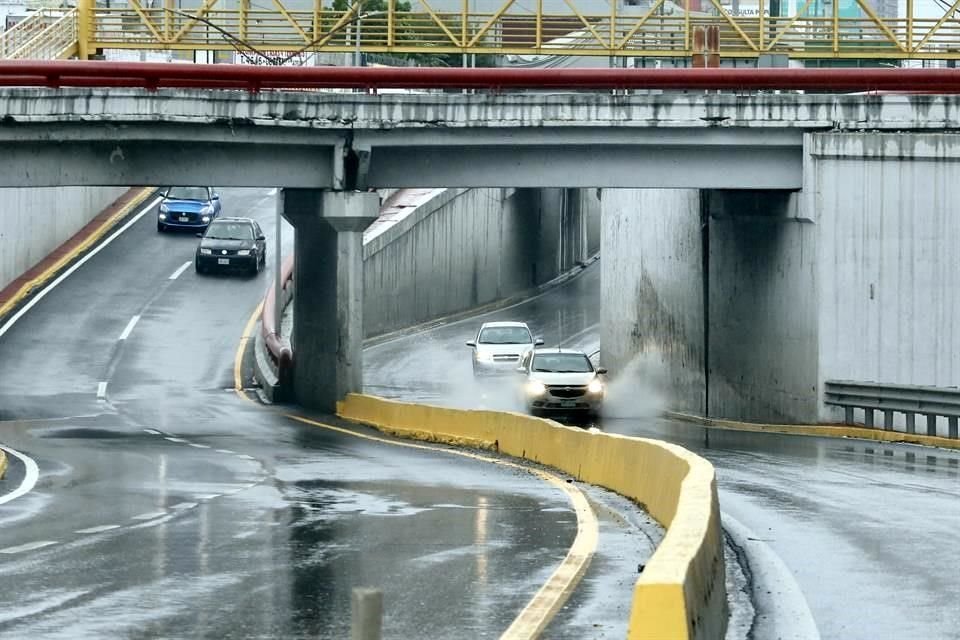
point(238, 358)
point(541, 609)
point(822, 431)
point(3, 464)
point(29, 286)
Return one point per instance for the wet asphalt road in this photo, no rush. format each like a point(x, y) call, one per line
point(170, 507)
point(868, 530)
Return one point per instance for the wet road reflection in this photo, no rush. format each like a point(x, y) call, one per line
point(864, 527)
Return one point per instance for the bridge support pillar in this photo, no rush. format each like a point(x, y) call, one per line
point(328, 276)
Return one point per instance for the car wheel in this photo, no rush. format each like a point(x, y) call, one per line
point(255, 269)
point(161, 227)
point(198, 268)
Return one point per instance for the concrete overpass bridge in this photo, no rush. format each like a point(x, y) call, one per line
point(780, 161)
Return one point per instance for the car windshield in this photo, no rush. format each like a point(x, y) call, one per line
point(562, 363)
point(230, 231)
point(188, 193)
point(505, 335)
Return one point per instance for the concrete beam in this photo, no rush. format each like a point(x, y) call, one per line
point(128, 163)
point(328, 275)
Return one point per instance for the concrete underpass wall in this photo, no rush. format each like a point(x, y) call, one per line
point(469, 247)
point(34, 222)
point(762, 354)
point(887, 211)
point(652, 325)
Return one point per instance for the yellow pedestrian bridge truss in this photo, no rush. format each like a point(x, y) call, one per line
point(280, 30)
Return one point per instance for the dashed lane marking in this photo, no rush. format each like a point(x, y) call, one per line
point(100, 529)
point(149, 516)
point(181, 506)
point(172, 439)
point(102, 390)
point(130, 325)
point(180, 270)
point(30, 546)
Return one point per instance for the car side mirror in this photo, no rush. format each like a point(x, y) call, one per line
point(261, 237)
point(216, 196)
point(471, 344)
point(602, 371)
point(199, 235)
point(538, 342)
point(164, 193)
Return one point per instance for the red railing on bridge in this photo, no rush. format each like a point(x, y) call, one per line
point(76, 73)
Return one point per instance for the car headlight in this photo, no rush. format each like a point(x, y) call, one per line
point(205, 218)
point(206, 252)
point(536, 388)
point(243, 252)
point(164, 208)
point(595, 386)
point(484, 357)
point(162, 216)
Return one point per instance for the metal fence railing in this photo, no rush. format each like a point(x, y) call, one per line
point(935, 404)
point(48, 34)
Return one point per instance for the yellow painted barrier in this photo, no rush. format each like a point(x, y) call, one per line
point(3, 464)
point(681, 593)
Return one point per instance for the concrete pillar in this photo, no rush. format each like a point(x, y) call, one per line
point(328, 276)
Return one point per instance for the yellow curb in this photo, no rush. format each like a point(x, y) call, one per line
point(822, 431)
point(3, 463)
point(108, 225)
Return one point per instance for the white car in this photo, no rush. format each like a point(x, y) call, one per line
point(562, 381)
point(499, 346)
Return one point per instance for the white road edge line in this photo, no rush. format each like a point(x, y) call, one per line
point(101, 390)
point(130, 325)
point(30, 477)
point(30, 546)
point(183, 267)
point(79, 263)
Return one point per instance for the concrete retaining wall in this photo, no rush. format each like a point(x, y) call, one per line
point(681, 592)
point(889, 267)
point(34, 222)
point(469, 247)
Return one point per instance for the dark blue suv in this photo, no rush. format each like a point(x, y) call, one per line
point(187, 208)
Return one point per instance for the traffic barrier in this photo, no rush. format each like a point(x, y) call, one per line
point(277, 347)
point(682, 592)
point(3, 464)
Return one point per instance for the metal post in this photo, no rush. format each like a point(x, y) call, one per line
point(868, 417)
point(952, 427)
point(356, 41)
point(888, 420)
point(277, 266)
point(931, 424)
point(911, 423)
point(366, 614)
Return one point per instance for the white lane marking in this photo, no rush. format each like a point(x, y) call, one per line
point(30, 546)
point(207, 496)
point(30, 477)
point(152, 432)
point(100, 529)
point(183, 505)
point(130, 325)
point(200, 446)
point(149, 516)
point(225, 451)
point(183, 267)
point(101, 390)
point(79, 263)
point(174, 439)
point(244, 456)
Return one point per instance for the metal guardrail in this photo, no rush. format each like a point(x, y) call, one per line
point(56, 40)
point(870, 397)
